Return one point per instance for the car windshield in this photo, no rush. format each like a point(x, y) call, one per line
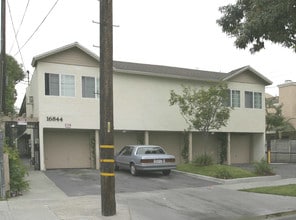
point(150, 150)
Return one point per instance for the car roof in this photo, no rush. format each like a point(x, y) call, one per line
point(143, 146)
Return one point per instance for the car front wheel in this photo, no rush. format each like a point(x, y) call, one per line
point(166, 172)
point(133, 170)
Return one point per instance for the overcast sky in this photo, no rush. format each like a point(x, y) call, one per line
point(164, 32)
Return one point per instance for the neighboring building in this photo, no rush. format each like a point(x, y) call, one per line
point(287, 91)
point(63, 95)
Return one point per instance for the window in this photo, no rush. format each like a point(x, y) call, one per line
point(127, 151)
point(52, 84)
point(67, 85)
point(235, 98)
point(248, 99)
point(88, 87)
point(257, 100)
point(253, 99)
point(59, 84)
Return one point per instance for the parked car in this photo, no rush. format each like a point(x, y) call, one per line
point(137, 158)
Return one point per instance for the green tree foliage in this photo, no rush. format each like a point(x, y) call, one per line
point(17, 172)
point(275, 121)
point(203, 110)
point(14, 75)
point(252, 22)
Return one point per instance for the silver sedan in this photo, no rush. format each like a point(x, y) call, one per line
point(138, 158)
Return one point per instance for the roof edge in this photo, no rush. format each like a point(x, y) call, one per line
point(242, 69)
point(63, 48)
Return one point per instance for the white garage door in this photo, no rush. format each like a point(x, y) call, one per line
point(67, 149)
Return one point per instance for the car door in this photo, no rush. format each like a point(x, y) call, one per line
point(124, 157)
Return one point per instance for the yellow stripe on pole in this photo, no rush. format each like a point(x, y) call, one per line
point(107, 146)
point(107, 174)
point(107, 161)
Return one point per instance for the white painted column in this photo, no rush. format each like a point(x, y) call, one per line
point(146, 138)
point(190, 151)
point(228, 149)
point(97, 144)
point(41, 149)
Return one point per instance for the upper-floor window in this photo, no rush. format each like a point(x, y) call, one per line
point(59, 84)
point(257, 100)
point(253, 99)
point(235, 98)
point(52, 82)
point(89, 87)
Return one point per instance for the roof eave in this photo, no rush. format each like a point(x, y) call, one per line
point(60, 49)
point(266, 80)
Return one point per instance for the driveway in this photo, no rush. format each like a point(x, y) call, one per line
point(79, 182)
point(154, 196)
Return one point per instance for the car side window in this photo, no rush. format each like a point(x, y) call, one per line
point(127, 151)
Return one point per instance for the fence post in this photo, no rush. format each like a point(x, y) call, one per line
point(268, 156)
point(6, 172)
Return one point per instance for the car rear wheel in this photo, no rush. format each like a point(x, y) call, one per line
point(166, 172)
point(133, 170)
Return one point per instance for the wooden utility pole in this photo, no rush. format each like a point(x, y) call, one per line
point(2, 96)
point(108, 203)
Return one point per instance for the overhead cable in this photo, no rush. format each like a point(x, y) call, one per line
point(38, 27)
point(23, 17)
point(15, 35)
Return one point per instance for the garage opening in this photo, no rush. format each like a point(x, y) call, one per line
point(68, 149)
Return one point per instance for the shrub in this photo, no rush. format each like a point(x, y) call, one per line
point(263, 168)
point(223, 173)
point(17, 172)
point(203, 160)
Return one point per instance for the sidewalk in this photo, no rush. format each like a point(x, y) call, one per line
point(47, 202)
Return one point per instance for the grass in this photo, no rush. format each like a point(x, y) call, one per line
point(218, 171)
point(286, 190)
point(230, 172)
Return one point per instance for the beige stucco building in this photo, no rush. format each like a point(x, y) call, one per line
point(287, 91)
point(63, 96)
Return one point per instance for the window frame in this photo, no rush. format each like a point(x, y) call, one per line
point(233, 103)
point(96, 88)
point(61, 89)
point(255, 102)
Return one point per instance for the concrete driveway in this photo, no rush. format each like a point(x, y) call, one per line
point(187, 200)
point(79, 182)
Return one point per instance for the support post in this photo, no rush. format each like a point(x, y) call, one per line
point(190, 149)
point(107, 174)
point(228, 149)
point(146, 137)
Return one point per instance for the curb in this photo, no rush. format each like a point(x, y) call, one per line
point(232, 181)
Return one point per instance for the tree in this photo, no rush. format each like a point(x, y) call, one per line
point(14, 75)
point(203, 110)
point(256, 21)
point(275, 121)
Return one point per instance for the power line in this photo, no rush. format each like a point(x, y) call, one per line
point(20, 24)
point(15, 35)
point(38, 27)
